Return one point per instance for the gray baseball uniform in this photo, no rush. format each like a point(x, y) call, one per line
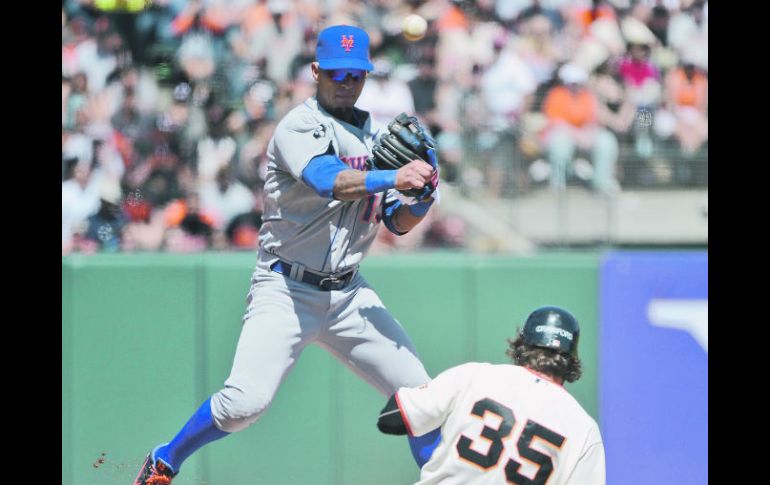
point(322, 237)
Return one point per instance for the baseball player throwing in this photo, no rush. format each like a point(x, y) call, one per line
point(503, 424)
point(322, 212)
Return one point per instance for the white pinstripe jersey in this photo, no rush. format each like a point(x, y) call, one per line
point(503, 424)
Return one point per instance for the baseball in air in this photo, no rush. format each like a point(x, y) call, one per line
point(414, 27)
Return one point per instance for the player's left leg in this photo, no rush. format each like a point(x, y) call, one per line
point(163, 462)
point(198, 431)
point(367, 338)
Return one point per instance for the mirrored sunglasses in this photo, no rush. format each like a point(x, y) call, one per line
point(341, 74)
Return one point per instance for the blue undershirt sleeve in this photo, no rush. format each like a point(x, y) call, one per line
point(321, 172)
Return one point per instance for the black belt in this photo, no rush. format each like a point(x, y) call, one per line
point(326, 283)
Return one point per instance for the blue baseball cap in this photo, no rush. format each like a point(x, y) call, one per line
point(343, 47)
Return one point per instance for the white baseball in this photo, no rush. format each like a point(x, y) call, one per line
point(414, 27)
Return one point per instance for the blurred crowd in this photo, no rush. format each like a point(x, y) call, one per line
point(167, 108)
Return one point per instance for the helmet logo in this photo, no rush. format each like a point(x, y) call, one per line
point(347, 43)
point(560, 331)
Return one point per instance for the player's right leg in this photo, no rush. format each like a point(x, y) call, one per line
point(271, 340)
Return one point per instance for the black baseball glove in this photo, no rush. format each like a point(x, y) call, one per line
point(405, 140)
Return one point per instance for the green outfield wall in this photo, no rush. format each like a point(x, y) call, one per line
point(147, 338)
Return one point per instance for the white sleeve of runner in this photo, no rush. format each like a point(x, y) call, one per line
point(425, 408)
point(590, 468)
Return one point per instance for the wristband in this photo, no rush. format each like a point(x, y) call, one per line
point(380, 180)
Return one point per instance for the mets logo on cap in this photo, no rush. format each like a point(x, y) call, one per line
point(347, 43)
point(343, 47)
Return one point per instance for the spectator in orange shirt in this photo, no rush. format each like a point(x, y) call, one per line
point(572, 113)
point(190, 229)
point(584, 16)
point(196, 14)
point(687, 100)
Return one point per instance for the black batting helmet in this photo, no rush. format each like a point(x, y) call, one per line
point(552, 328)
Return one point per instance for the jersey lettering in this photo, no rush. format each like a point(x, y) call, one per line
point(496, 436)
point(372, 211)
point(357, 163)
point(532, 430)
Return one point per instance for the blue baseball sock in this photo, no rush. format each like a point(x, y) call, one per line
point(423, 446)
point(198, 431)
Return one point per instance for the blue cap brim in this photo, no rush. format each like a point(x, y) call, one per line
point(346, 63)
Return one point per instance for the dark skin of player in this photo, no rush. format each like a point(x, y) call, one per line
point(338, 98)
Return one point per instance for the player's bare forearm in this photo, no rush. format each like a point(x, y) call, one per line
point(404, 220)
point(350, 185)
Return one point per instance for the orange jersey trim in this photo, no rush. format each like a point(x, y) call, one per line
point(403, 416)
